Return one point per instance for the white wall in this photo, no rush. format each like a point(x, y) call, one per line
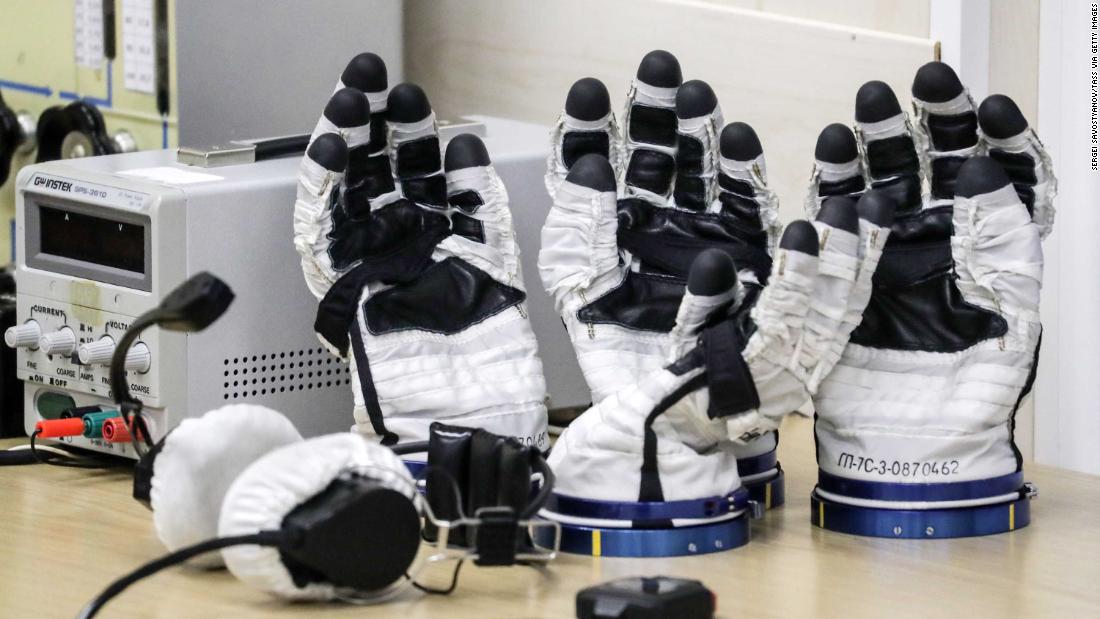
point(1067, 428)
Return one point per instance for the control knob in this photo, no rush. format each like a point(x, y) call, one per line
point(101, 351)
point(138, 358)
point(23, 336)
point(98, 352)
point(60, 342)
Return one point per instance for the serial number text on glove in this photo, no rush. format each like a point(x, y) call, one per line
point(897, 468)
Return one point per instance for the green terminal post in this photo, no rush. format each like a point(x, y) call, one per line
point(93, 423)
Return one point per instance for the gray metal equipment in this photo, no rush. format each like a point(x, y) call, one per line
point(251, 68)
point(101, 240)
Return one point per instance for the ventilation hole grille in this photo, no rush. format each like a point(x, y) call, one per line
point(288, 371)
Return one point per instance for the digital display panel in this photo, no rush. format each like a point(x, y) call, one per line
point(98, 240)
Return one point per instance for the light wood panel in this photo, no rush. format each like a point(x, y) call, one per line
point(67, 533)
point(909, 17)
point(787, 77)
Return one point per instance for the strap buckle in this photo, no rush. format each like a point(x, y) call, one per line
point(1029, 490)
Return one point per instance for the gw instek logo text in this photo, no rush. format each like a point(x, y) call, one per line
point(53, 183)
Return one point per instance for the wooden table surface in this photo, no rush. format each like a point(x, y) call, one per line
point(67, 533)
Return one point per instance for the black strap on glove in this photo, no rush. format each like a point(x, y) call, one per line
point(732, 390)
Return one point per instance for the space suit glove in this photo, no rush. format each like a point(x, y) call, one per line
point(412, 254)
point(738, 368)
point(634, 203)
point(926, 392)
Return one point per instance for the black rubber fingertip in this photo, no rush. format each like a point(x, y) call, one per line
point(588, 100)
point(1000, 117)
point(593, 171)
point(712, 272)
point(465, 151)
point(840, 213)
point(980, 175)
point(836, 144)
point(801, 236)
point(876, 101)
point(936, 82)
point(695, 98)
point(407, 103)
point(739, 142)
point(367, 72)
point(348, 107)
point(877, 207)
point(661, 69)
point(329, 151)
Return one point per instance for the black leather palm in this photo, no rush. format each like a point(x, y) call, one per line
point(670, 239)
point(915, 304)
point(361, 233)
point(644, 301)
point(666, 242)
point(401, 262)
point(447, 298)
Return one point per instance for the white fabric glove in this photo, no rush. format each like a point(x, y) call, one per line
point(927, 390)
point(413, 256)
point(616, 261)
point(737, 371)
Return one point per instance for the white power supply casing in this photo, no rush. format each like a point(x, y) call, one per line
point(102, 240)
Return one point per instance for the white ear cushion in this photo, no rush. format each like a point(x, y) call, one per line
point(200, 460)
point(282, 480)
